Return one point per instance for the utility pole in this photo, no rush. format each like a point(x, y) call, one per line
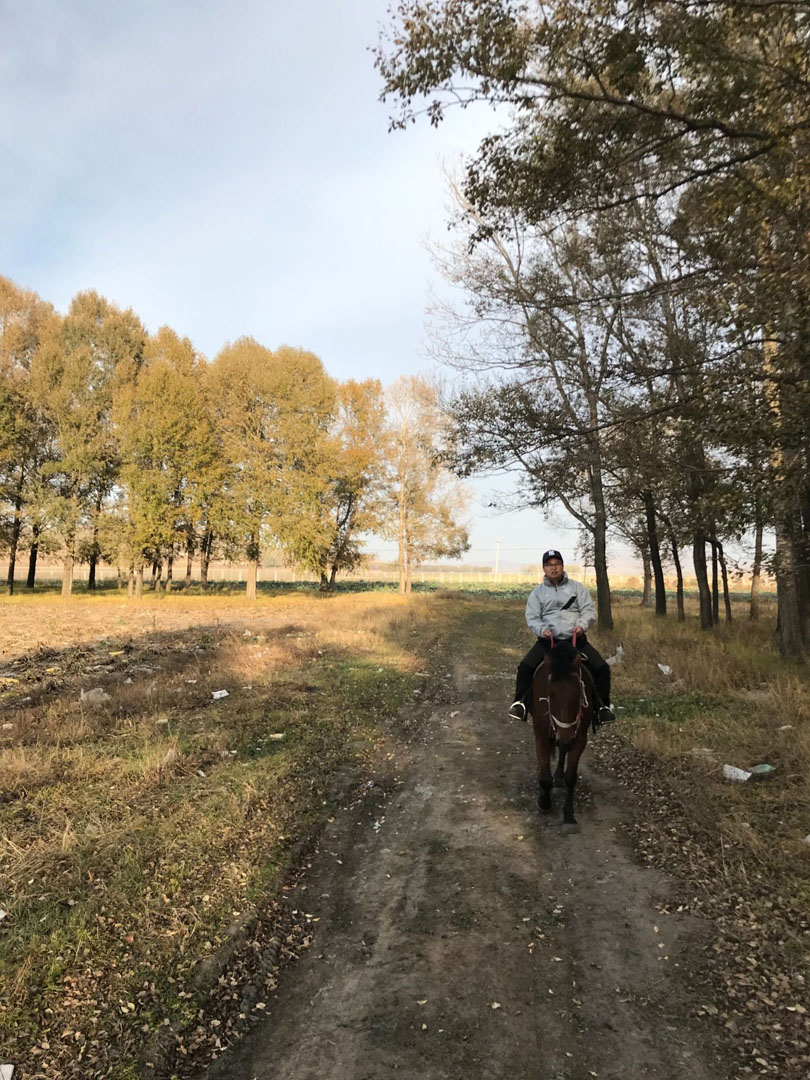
point(497, 558)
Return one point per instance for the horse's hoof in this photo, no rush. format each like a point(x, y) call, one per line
point(559, 781)
point(569, 823)
point(544, 809)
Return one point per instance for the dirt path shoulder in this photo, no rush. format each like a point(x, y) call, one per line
point(461, 935)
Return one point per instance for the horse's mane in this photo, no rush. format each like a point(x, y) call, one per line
point(562, 660)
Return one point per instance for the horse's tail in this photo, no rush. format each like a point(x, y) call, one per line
point(562, 660)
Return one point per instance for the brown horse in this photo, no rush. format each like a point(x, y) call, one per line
point(562, 712)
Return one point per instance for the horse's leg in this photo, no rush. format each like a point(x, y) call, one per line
point(560, 770)
point(574, 754)
point(541, 744)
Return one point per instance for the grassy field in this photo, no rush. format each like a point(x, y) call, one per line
point(730, 699)
point(739, 849)
point(139, 831)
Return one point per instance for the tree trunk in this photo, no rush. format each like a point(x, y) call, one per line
point(251, 579)
point(646, 592)
point(679, 579)
point(157, 573)
point(32, 558)
point(605, 616)
point(788, 589)
point(16, 528)
point(189, 562)
point(403, 541)
point(715, 584)
point(702, 575)
point(94, 551)
point(802, 550)
point(604, 613)
point(724, 571)
point(328, 582)
point(67, 572)
point(791, 641)
point(655, 554)
point(139, 581)
point(169, 569)
point(131, 583)
point(756, 571)
point(205, 556)
point(253, 555)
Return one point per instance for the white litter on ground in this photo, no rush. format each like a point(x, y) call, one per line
point(731, 772)
point(96, 696)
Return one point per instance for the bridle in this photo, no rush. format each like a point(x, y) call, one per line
point(557, 725)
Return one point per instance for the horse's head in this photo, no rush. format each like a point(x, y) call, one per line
point(565, 661)
point(564, 692)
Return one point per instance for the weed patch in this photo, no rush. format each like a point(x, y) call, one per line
point(137, 833)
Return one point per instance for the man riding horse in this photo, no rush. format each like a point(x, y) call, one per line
point(557, 610)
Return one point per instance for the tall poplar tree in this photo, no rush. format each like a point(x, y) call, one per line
point(349, 486)
point(272, 411)
point(25, 438)
point(96, 348)
point(169, 450)
point(422, 503)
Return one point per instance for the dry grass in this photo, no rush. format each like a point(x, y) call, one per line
point(134, 832)
point(737, 849)
point(730, 699)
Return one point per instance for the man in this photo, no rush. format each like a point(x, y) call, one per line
point(555, 610)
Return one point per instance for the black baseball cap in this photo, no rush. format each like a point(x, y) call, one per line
point(552, 553)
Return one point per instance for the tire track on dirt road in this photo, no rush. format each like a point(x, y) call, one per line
point(462, 935)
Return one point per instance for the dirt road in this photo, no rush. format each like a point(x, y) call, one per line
point(462, 935)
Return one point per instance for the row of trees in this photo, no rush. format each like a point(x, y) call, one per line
point(125, 447)
point(634, 254)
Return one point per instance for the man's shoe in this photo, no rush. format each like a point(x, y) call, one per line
point(606, 715)
point(517, 711)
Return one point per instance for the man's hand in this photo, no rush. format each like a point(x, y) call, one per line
point(579, 629)
point(546, 633)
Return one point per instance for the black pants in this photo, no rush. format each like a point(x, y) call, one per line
point(600, 671)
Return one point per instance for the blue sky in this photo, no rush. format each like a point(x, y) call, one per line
point(226, 169)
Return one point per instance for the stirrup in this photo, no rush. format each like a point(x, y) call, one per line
point(517, 710)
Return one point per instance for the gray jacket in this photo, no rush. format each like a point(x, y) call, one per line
point(544, 608)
